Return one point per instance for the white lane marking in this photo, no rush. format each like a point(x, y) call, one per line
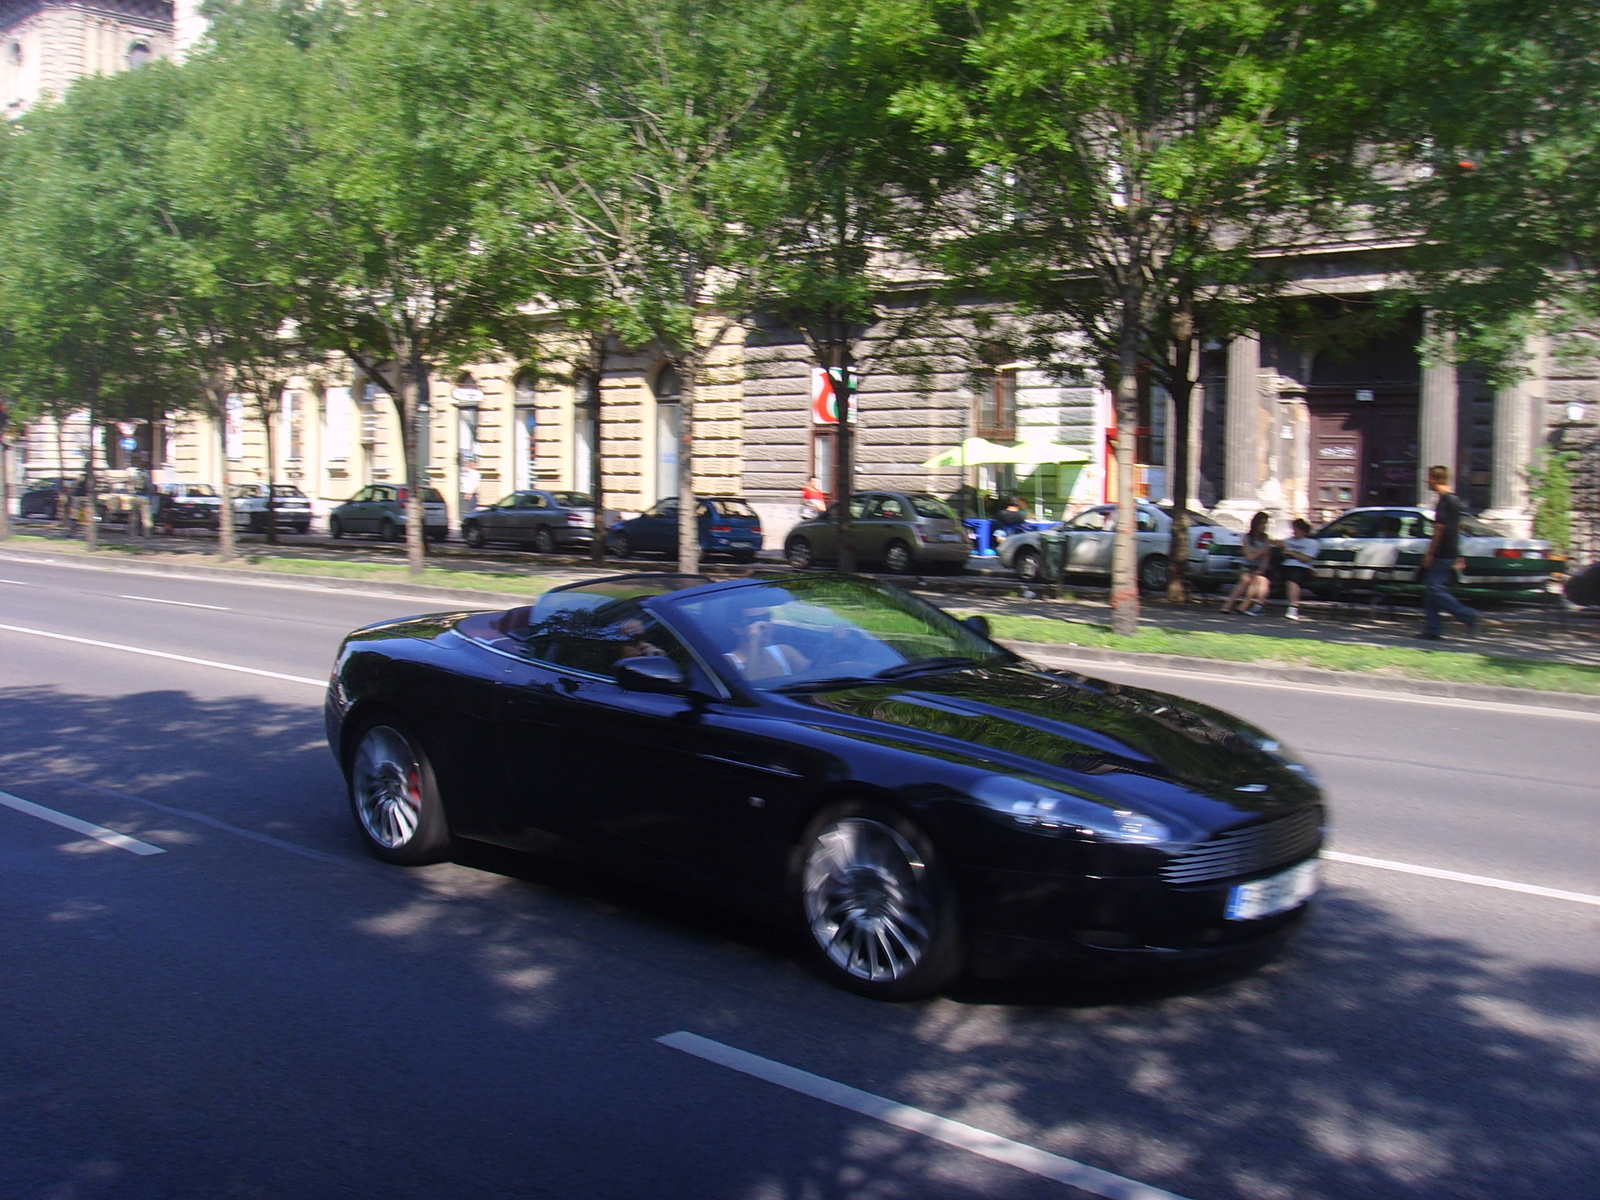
point(98, 832)
point(180, 603)
point(1094, 668)
point(183, 658)
point(1504, 885)
point(941, 1129)
point(266, 839)
point(16, 583)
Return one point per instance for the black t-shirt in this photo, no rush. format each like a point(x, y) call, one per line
point(1448, 517)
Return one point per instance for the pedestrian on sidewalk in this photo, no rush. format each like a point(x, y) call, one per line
point(813, 500)
point(1255, 580)
point(1443, 556)
point(1299, 553)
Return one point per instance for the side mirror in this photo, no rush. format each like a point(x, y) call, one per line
point(978, 623)
point(651, 673)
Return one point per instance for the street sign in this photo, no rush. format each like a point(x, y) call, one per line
point(468, 395)
point(825, 398)
point(130, 443)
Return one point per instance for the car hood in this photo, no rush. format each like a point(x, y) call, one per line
point(1127, 743)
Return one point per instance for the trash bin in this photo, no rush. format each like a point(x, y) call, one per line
point(1053, 555)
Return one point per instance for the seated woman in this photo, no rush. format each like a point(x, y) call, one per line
point(757, 652)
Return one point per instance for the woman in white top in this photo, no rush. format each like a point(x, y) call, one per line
point(1299, 553)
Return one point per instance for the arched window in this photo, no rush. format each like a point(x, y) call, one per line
point(468, 396)
point(669, 431)
point(139, 54)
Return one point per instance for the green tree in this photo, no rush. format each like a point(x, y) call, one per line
point(1134, 157)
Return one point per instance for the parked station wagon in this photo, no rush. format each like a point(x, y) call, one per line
point(904, 531)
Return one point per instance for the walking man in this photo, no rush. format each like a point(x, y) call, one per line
point(1441, 558)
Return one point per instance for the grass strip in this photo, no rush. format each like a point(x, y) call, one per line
point(1449, 666)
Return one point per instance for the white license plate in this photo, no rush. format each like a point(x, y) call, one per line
point(1279, 893)
point(952, 537)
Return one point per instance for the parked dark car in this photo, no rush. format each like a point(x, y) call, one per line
point(547, 521)
point(831, 752)
point(1583, 587)
point(381, 509)
point(905, 531)
point(727, 526)
point(187, 506)
point(40, 497)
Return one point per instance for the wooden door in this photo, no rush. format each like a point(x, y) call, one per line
point(1338, 455)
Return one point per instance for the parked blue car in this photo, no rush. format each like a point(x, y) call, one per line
point(727, 526)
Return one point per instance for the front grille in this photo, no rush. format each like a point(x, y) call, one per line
point(1248, 849)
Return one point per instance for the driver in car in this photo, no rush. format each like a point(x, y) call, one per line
point(757, 654)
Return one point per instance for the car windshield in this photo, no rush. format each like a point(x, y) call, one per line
point(198, 489)
point(815, 634)
point(574, 499)
point(287, 489)
point(1472, 527)
point(432, 496)
point(730, 507)
point(931, 507)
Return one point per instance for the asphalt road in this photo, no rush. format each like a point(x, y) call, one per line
point(261, 1010)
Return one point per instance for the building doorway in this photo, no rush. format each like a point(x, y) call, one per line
point(1363, 451)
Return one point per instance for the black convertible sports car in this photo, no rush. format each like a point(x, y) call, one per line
point(831, 751)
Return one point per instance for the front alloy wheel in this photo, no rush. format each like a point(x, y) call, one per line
point(880, 919)
point(798, 552)
point(1028, 567)
point(394, 796)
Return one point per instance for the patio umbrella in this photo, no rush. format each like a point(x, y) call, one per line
point(974, 452)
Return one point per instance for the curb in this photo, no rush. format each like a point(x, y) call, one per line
point(1052, 654)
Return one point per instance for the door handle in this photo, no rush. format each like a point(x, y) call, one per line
point(569, 684)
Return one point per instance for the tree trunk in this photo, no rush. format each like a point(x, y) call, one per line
point(227, 539)
point(1182, 390)
point(64, 492)
point(91, 522)
point(5, 478)
point(1125, 548)
point(267, 415)
point(844, 483)
point(597, 483)
point(688, 522)
point(415, 422)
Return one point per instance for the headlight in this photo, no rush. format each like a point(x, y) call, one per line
point(1033, 804)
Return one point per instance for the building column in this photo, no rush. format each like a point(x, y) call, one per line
point(1438, 417)
point(1242, 431)
point(1513, 450)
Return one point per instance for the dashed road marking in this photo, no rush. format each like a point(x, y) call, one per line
point(1487, 881)
point(183, 658)
point(941, 1129)
point(180, 603)
point(98, 832)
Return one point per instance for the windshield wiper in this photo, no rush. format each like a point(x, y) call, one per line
point(905, 670)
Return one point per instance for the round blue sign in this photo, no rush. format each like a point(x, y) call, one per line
point(130, 443)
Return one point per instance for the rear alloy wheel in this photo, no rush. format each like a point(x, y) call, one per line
point(394, 795)
point(1153, 573)
point(1029, 567)
point(897, 557)
point(543, 540)
point(621, 546)
point(881, 920)
point(472, 535)
point(799, 553)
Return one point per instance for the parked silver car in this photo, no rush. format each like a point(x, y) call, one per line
point(544, 520)
point(904, 531)
point(1091, 536)
point(1381, 549)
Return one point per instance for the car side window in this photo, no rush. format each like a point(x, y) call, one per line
point(667, 509)
point(1351, 525)
point(535, 500)
point(1415, 525)
point(862, 506)
point(890, 507)
point(700, 509)
point(595, 640)
point(361, 497)
point(1147, 521)
point(1095, 519)
point(385, 495)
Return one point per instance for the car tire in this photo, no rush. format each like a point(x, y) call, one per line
point(394, 795)
point(544, 541)
point(1028, 566)
point(878, 914)
point(1153, 573)
point(621, 546)
point(389, 532)
point(799, 554)
point(897, 558)
point(472, 535)
point(335, 529)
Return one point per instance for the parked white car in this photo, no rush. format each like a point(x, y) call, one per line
point(1091, 535)
point(289, 506)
